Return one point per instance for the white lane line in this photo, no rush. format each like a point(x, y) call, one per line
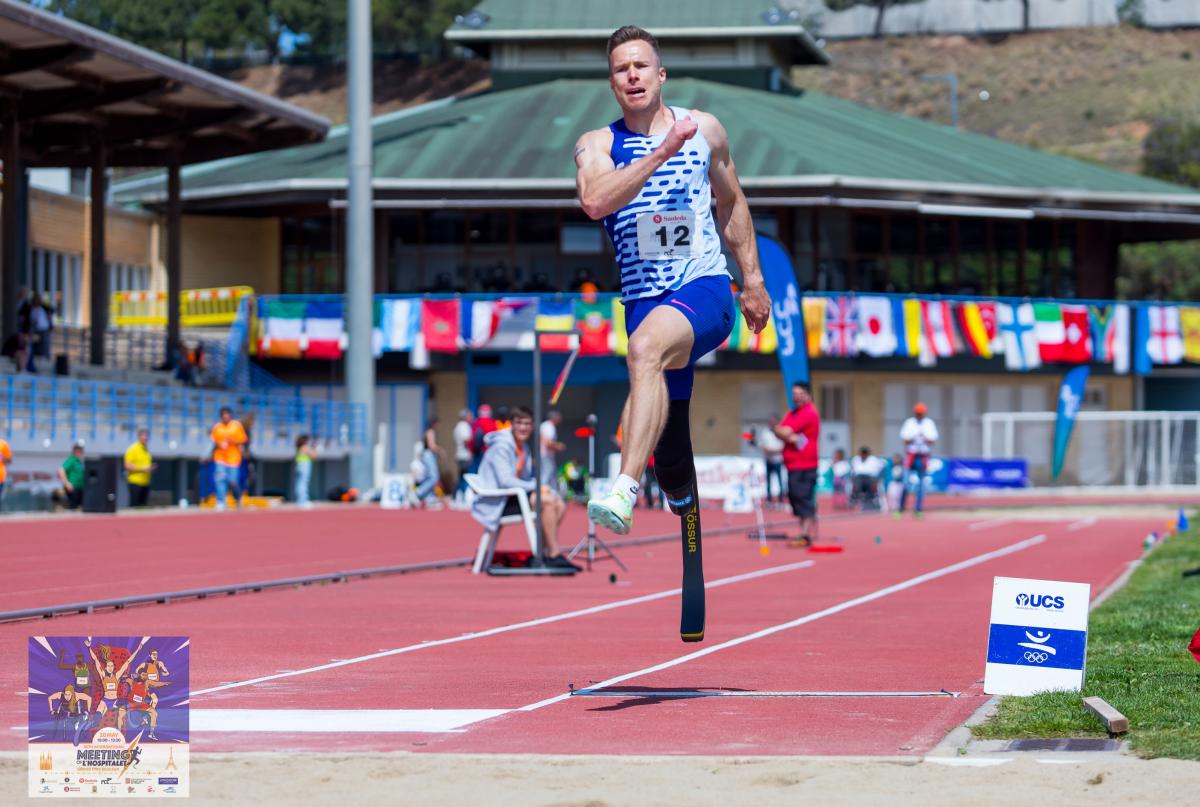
point(749, 637)
point(987, 525)
point(340, 721)
point(1081, 524)
point(532, 623)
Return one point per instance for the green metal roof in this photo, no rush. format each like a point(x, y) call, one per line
point(507, 18)
point(521, 140)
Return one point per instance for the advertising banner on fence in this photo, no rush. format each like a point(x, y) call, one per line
point(975, 473)
point(1037, 640)
point(108, 716)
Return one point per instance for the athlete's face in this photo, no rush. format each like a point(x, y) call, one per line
point(636, 75)
point(108, 667)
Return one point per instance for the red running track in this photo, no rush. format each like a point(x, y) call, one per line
point(928, 636)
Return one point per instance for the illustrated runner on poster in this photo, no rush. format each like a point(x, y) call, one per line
point(110, 677)
point(653, 176)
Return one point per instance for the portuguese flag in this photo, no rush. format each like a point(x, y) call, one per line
point(594, 322)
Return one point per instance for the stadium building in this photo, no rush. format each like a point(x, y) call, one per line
point(476, 194)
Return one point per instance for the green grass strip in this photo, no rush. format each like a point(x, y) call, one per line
point(1137, 660)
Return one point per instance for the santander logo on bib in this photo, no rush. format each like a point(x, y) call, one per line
point(657, 218)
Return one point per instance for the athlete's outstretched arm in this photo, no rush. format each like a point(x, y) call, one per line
point(602, 187)
point(733, 217)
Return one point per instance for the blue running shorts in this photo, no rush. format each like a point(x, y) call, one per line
point(707, 302)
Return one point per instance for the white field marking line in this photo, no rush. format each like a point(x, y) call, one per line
point(340, 721)
point(987, 525)
point(813, 617)
point(688, 693)
point(1081, 524)
point(532, 623)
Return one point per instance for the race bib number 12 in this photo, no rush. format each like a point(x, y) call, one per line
point(667, 234)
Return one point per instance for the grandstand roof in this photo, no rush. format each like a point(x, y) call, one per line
point(518, 143)
point(509, 20)
point(73, 88)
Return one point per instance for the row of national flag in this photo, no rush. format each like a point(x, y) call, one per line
point(1028, 335)
point(315, 329)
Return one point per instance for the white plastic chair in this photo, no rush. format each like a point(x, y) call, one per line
point(487, 542)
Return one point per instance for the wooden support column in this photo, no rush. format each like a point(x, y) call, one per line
point(174, 254)
point(99, 266)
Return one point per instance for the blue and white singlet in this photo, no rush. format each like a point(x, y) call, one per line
point(666, 236)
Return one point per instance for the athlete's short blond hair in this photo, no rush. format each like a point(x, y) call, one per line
point(631, 33)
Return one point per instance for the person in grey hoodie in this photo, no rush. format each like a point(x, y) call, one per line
point(507, 463)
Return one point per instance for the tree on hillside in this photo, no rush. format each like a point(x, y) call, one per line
point(1166, 270)
point(176, 27)
point(1172, 151)
point(416, 25)
point(162, 27)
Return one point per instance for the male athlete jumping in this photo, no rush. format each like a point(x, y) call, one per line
point(653, 176)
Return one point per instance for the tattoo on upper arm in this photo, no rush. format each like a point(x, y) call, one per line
point(579, 149)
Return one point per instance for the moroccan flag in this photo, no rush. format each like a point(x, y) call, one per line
point(324, 330)
point(594, 323)
point(440, 325)
point(1050, 331)
point(1077, 338)
point(814, 324)
point(974, 329)
point(1189, 320)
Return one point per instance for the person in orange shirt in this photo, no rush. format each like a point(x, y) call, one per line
point(228, 437)
point(5, 459)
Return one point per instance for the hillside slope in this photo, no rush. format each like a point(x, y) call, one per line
point(1089, 93)
point(322, 88)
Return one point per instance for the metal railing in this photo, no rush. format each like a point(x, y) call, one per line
point(41, 413)
point(132, 349)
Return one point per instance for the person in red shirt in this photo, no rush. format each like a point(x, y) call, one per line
point(800, 431)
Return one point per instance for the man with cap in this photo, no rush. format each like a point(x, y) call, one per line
point(919, 433)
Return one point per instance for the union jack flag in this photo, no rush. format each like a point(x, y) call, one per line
point(841, 326)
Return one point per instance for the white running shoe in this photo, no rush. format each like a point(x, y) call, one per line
point(614, 511)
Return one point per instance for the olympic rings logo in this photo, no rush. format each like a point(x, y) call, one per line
point(1036, 657)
